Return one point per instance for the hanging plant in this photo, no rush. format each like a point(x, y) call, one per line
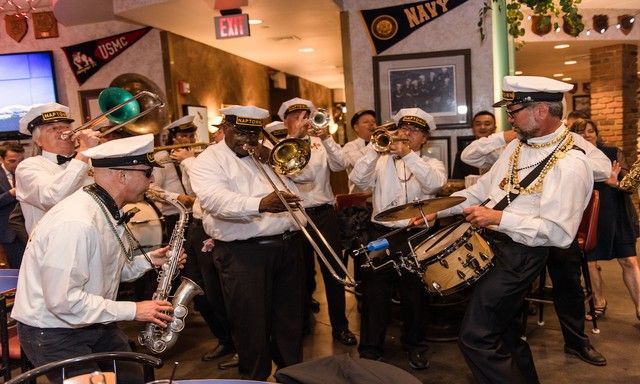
point(543, 10)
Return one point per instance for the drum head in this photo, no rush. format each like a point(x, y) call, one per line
point(439, 241)
point(146, 225)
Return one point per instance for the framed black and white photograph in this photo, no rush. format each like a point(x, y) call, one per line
point(582, 103)
point(437, 82)
point(438, 148)
point(201, 120)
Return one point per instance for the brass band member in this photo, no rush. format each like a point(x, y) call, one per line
point(78, 253)
point(258, 248)
point(44, 180)
point(363, 123)
point(544, 214)
point(398, 177)
point(318, 200)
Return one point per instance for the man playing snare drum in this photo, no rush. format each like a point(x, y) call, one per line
point(543, 213)
point(398, 177)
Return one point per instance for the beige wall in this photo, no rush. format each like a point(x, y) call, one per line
point(144, 57)
point(456, 29)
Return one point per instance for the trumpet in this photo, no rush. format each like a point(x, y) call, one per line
point(180, 146)
point(298, 152)
point(381, 139)
point(319, 120)
point(118, 106)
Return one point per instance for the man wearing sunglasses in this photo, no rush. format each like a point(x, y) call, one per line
point(78, 254)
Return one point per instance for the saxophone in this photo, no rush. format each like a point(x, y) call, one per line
point(154, 337)
point(631, 181)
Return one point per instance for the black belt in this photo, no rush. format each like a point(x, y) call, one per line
point(265, 240)
point(319, 208)
point(491, 235)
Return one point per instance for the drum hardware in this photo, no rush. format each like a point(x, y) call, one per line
point(290, 156)
point(118, 106)
point(418, 208)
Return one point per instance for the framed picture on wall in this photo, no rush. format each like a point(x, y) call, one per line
point(438, 148)
point(200, 119)
point(89, 106)
point(437, 82)
point(582, 103)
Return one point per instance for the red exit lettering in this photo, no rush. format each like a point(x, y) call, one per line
point(232, 26)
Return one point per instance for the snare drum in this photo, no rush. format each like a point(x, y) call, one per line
point(147, 224)
point(453, 258)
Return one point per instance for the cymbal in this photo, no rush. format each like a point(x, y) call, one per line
point(412, 209)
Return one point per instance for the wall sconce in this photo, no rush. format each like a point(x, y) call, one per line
point(625, 23)
point(600, 23)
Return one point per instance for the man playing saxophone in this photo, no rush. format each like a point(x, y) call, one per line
point(257, 245)
point(77, 255)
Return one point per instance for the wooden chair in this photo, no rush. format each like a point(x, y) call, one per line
point(149, 363)
point(587, 238)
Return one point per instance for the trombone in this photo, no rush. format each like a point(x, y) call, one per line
point(121, 108)
point(180, 146)
point(381, 139)
point(298, 153)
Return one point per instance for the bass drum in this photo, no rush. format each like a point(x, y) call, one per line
point(146, 225)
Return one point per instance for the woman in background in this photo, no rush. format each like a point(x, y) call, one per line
point(617, 229)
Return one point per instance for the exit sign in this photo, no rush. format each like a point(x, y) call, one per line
point(232, 26)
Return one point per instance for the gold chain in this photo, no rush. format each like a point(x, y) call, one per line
point(551, 142)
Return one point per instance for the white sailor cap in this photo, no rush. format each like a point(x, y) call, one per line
point(183, 124)
point(245, 118)
point(134, 150)
point(416, 117)
point(44, 114)
point(527, 89)
point(277, 129)
point(295, 104)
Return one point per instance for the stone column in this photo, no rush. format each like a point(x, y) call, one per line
point(614, 106)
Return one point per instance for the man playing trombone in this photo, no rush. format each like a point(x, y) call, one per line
point(318, 202)
point(258, 248)
point(398, 174)
point(59, 169)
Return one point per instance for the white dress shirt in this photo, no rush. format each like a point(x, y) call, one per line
point(398, 181)
point(353, 151)
point(230, 189)
point(42, 183)
point(9, 176)
point(186, 166)
point(484, 152)
point(167, 180)
point(550, 218)
point(325, 155)
point(72, 267)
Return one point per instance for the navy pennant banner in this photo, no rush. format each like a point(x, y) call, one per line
point(389, 25)
point(87, 58)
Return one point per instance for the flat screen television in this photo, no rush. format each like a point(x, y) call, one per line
point(26, 79)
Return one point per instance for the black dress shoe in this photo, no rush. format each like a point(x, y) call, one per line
point(345, 337)
point(587, 354)
point(231, 363)
point(418, 359)
point(219, 351)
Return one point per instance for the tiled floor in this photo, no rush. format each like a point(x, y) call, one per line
point(618, 341)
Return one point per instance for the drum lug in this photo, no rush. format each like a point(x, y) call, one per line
point(469, 246)
point(461, 274)
point(444, 263)
point(484, 256)
point(437, 287)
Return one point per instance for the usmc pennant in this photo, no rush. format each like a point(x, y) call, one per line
point(16, 26)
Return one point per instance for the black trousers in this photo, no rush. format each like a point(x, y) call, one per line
point(565, 268)
point(490, 333)
point(14, 251)
point(262, 284)
point(47, 345)
point(377, 287)
point(201, 269)
point(326, 219)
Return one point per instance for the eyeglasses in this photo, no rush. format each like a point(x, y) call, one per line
point(147, 171)
point(512, 113)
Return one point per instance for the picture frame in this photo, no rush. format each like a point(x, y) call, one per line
point(437, 82)
point(89, 106)
point(439, 148)
point(582, 103)
point(201, 120)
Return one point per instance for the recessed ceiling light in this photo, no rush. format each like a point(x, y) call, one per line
point(558, 74)
point(517, 73)
point(570, 62)
point(566, 79)
point(561, 46)
point(306, 50)
point(255, 21)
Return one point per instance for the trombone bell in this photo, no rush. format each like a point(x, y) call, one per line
point(114, 96)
